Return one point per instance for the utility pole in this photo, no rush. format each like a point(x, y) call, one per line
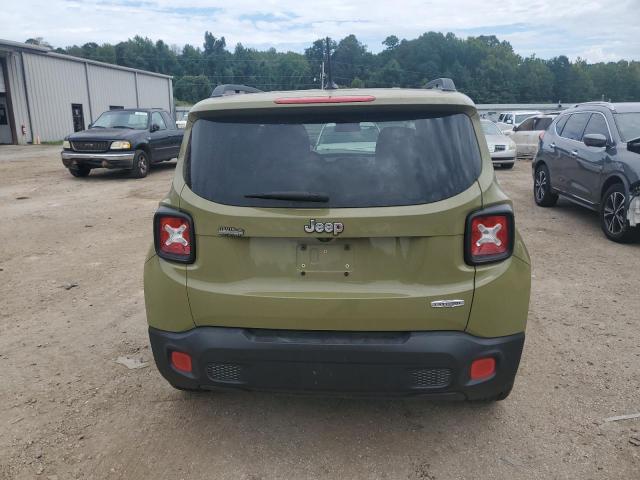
point(330, 84)
point(322, 77)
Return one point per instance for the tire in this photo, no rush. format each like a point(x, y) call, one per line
point(141, 164)
point(80, 171)
point(613, 216)
point(542, 193)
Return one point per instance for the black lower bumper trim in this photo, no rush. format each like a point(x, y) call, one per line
point(370, 363)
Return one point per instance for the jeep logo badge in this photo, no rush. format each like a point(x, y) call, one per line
point(319, 227)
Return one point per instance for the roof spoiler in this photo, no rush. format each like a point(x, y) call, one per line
point(444, 84)
point(230, 89)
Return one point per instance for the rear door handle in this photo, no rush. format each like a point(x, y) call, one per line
point(574, 153)
point(552, 145)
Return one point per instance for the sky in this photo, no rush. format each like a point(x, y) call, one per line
point(595, 30)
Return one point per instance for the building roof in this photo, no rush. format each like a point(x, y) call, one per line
point(10, 45)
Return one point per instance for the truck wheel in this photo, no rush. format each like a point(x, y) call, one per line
point(140, 164)
point(613, 216)
point(542, 193)
point(80, 171)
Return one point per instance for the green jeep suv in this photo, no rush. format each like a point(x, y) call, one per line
point(350, 241)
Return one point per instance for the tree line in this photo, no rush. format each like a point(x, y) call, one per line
point(483, 67)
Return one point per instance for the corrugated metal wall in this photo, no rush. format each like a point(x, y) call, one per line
point(54, 83)
point(18, 97)
point(154, 92)
point(108, 87)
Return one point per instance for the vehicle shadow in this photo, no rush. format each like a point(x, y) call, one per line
point(313, 436)
point(103, 174)
point(585, 218)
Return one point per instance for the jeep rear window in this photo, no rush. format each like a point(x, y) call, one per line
point(356, 160)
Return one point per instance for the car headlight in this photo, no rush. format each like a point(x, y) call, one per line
point(66, 144)
point(120, 145)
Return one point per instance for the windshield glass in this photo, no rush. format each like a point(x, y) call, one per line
point(523, 117)
point(340, 160)
point(122, 119)
point(628, 125)
point(490, 128)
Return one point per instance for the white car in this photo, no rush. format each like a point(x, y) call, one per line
point(181, 118)
point(501, 147)
point(527, 135)
point(507, 121)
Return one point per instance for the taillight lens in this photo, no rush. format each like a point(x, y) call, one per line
point(489, 235)
point(541, 136)
point(174, 236)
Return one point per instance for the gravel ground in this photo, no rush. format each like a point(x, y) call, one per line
point(71, 303)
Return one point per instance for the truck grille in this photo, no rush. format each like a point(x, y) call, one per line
point(501, 148)
point(431, 377)
point(86, 146)
point(224, 372)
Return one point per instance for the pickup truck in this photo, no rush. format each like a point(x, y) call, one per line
point(131, 139)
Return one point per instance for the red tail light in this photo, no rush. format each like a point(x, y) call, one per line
point(174, 236)
point(489, 236)
point(541, 136)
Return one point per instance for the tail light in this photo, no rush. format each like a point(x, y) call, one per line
point(541, 136)
point(489, 236)
point(173, 235)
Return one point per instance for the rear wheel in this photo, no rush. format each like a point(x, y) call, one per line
point(80, 171)
point(140, 164)
point(613, 215)
point(542, 193)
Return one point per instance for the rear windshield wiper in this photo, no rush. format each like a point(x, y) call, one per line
point(122, 126)
point(293, 196)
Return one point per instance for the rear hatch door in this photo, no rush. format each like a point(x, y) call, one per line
point(342, 222)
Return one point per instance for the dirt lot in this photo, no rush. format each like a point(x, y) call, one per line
point(68, 410)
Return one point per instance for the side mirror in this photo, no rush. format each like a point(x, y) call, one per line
point(595, 140)
point(155, 127)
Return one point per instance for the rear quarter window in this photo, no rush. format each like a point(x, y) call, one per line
point(357, 160)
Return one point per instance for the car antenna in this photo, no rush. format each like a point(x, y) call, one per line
point(330, 83)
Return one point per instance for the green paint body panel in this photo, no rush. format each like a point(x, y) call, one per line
point(397, 260)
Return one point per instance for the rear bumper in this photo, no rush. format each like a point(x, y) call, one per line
point(366, 363)
point(95, 160)
point(503, 157)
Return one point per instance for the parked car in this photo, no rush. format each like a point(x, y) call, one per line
point(132, 139)
point(388, 265)
point(527, 135)
point(507, 121)
point(591, 155)
point(181, 118)
point(501, 147)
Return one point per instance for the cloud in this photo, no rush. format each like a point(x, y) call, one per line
point(545, 27)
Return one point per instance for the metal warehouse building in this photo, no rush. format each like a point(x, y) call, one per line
point(46, 95)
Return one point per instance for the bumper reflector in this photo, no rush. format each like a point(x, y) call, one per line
point(181, 361)
point(483, 368)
